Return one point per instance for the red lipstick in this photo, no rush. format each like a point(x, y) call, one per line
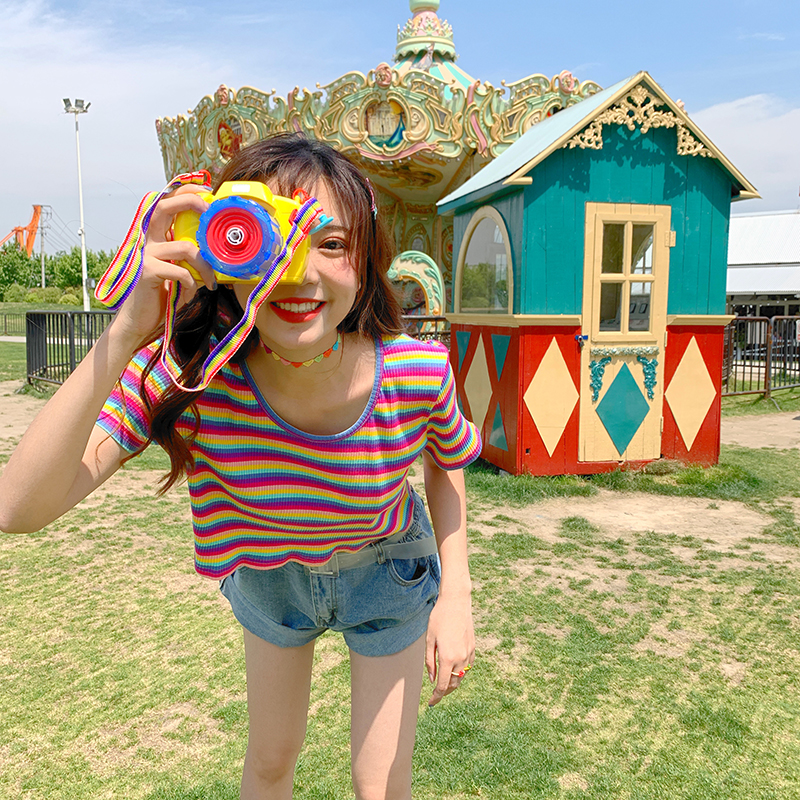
point(287, 315)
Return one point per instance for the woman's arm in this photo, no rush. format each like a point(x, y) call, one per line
point(451, 639)
point(63, 457)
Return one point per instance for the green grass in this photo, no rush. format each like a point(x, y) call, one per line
point(12, 361)
point(741, 405)
point(22, 308)
point(647, 665)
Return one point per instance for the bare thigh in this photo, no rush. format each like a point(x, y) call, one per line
point(278, 691)
point(385, 701)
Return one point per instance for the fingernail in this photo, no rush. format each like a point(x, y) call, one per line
point(214, 286)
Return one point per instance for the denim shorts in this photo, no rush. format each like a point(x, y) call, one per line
point(380, 608)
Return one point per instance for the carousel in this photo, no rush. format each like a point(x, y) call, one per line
point(420, 128)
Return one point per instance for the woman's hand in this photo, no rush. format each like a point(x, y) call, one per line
point(450, 644)
point(450, 648)
point(144, 310)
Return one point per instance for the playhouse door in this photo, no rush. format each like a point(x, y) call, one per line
point(626, 269)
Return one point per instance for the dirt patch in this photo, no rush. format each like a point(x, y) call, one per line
point(726, 525)
point(180, 733)
point(763, 430)
point(16, 414)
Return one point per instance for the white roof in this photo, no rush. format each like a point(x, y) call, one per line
point(763, 280)
point(768, 238)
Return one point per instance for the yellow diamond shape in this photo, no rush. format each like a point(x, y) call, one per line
point(551, 397)
point(690, 393)
point(478, 386)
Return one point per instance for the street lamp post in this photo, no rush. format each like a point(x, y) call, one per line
point(80, 108)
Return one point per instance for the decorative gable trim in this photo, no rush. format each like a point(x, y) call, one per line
point(646, 109)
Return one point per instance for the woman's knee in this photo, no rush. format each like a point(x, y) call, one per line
point(272, 762)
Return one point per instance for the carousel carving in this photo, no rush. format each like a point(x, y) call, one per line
point(418, 128)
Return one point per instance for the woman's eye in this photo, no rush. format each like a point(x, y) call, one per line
point(333, 245)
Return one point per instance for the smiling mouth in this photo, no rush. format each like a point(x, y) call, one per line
point(298, 308)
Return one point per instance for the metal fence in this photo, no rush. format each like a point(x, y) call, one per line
point(12, 324)
point(427, 327)
point(761, 355)
point(56, 341)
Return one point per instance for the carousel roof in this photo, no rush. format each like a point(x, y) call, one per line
point(419, 128)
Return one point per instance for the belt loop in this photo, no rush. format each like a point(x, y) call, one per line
point(381, 554)
point(330, 568)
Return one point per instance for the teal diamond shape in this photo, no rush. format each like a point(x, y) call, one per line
point(462, 339)
point(623, 409)
point(500, 345)
point(498, 435)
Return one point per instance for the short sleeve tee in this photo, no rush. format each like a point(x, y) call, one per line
point(264, 492)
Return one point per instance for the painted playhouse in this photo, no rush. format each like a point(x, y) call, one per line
point(589, 291)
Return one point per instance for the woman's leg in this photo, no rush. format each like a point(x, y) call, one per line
point(278, 690)
point(385, 701)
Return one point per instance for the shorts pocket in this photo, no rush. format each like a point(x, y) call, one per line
point(412, 571)
point(409, 571)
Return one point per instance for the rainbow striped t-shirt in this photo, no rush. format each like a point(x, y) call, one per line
point(264, 493)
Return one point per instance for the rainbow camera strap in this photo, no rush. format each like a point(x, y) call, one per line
point(124, 272)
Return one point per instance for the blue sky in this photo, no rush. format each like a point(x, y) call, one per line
point(735, 64)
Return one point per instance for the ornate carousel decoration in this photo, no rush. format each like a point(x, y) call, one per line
point(418, 128)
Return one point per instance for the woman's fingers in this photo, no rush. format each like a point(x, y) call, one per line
point(168, 207)
point(183, 251)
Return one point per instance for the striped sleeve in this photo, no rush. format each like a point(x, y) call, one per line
point(452, 440)
point(124, 416)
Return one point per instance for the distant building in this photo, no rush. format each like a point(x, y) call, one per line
point(764, 264)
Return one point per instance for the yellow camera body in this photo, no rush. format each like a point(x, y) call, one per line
point(242, 232)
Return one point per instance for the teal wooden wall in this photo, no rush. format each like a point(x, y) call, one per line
point(631, 168)
point(511, 209)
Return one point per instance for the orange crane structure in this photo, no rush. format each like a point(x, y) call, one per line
point(26, 235)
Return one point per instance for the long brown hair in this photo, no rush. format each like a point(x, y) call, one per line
point(287, 162)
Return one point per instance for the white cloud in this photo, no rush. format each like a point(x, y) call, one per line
point(46, 56)
point(763, 37)
point(758, 134)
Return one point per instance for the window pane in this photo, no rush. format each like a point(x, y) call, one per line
point(613, 247)
point(484, 282)
point(639, 317)
point(642, 250)
point(610, 305)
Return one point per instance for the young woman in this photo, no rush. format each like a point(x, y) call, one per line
point(297, 456)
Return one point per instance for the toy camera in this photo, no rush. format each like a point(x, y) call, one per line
point(242, 232)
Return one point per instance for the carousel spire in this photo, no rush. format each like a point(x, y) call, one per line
point(425, 33)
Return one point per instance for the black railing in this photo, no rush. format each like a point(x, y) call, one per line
point(56, 341)
point(761, 355)
point(12, 324)
point(426, 327)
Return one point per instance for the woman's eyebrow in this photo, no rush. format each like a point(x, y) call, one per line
point(334, 228)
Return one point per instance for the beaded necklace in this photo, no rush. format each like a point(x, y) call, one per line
point(315, 360)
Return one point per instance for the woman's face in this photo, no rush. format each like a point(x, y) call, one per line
point(300, 321)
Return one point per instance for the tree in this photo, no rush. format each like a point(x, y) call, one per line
point(15, 267)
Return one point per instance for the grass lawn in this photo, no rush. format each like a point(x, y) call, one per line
point(673, 673)
point(782, 400)
point(12, 361)
point(643, 665)
point(22, 308)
